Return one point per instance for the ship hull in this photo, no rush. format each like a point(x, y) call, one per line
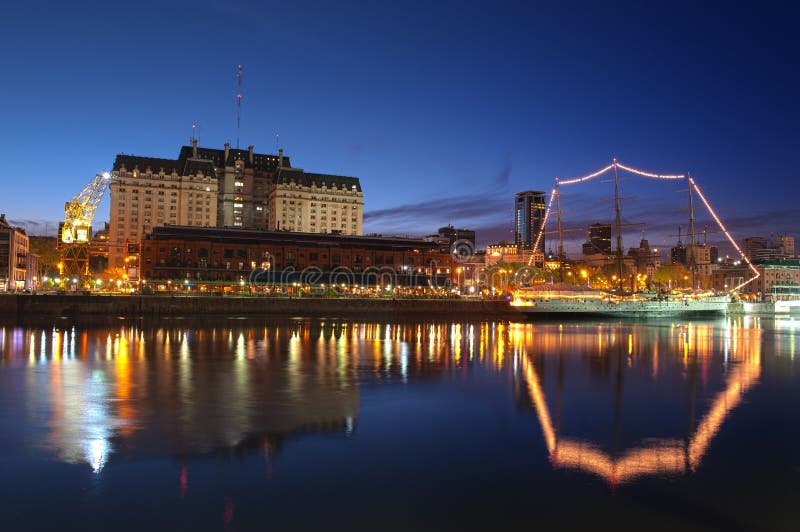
point(644, 308)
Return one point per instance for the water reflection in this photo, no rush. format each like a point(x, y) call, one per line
point(92, 395)
point(741, 348)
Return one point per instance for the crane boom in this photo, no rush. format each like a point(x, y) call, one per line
point(79, 212)
point(76, 232)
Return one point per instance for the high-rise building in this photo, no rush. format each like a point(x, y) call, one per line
point(598, 241)
point(529, 210)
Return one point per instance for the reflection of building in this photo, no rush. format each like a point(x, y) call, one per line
point(232, 254)
point(529, 211)
point(14, 251)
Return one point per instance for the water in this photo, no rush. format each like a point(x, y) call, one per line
point(310, 424)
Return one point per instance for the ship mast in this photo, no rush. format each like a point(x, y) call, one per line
point(618, 224)
point(560, 228)
point(691, 250)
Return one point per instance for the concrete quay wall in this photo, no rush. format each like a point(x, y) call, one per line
point(24, 306)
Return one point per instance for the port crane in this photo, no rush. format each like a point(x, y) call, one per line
point(76, 231)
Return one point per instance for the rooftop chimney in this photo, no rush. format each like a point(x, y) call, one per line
point(250, 149)
point(227, 151)
point(194, 148)
point(280, 157)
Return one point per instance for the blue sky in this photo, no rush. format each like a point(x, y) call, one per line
point(443, 109)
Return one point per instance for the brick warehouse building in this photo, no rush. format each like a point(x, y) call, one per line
point(234, 255)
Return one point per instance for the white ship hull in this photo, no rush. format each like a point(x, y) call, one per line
point(644, 307)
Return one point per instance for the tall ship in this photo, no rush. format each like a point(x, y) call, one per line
point(570, 300)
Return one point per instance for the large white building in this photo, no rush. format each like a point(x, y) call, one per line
point(148, 192)
point(233, 188)
point(316, 203)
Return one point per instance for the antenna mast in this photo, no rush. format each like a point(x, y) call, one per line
point(238, 103)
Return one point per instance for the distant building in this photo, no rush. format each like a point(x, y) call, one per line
point(778, 279)
point(598, 241)
point(510, 254)
point(529, 211)
point(98, 250)
point(785, 245)
point(757, 248)
point(645, 259)
point(449, 235)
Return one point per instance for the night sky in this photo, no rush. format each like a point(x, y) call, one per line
point(443, 109)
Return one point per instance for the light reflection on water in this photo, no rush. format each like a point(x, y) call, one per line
point(617, 401)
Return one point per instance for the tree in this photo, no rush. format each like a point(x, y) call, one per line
point(672, 275)
point(46, 248)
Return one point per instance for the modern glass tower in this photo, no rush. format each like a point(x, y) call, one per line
point(529, 209)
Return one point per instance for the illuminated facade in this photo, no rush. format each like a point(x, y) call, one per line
point(234, 254)
point(148, 193)
point(14, 272)
point(315, 203)
point(529, 215)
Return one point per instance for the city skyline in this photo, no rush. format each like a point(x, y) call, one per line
point(444, 117)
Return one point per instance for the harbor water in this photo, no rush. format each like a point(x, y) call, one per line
point(342, 424)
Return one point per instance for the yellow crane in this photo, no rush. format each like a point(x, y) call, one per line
point(76, 231)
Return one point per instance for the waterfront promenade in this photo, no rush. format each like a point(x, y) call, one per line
point(27, 306)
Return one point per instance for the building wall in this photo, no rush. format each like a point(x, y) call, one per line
point(14, 249)
point(244, 183)
point(315, 208)
point(143, 199)
point(232, 255)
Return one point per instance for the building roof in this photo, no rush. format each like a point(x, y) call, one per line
point(155, 164)
point(307, 179)
point(216, 234)
point(207, 162)
point(261, 161)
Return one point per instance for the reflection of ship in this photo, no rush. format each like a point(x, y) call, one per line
point(565, 299)
point(570, 299)
point(652, 456)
